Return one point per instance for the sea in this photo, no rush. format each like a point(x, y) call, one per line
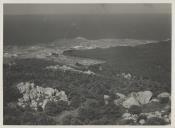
point(32, 29)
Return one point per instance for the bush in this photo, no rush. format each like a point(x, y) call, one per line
point(11, 120)
point(51, 108)
point(90, 110)
point(164, 100)
point(30, 118)
point(61, 106)
point(135, 109)
point(71, 120)
point(43, 119)
point(155, 121)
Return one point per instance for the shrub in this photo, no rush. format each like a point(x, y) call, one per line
point(112, 111)
point(11, 120)
point(51, 108)
point(135, 109)
point(164, 100)
point(61, 106)
point(71, 120)
point(155, 121)
point(43, 119)
point(28, 118)
point(90, 110)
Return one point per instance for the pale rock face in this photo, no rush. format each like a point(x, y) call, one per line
point(49, 91)
point(118, 101)
point(35, 96)
point(23, 87)
point(127, 76)
point(154, 100)
point(169, 116)
point(142, 121)
point(128, 116)
point(143, 97)
point(122, 96)
point(130, 102)
point(163, 95)
point(44, 103)
point(62, 96)
point(153, 114)
point(106, 99)
point(26, 97)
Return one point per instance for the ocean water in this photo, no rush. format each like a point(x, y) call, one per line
point(31, 29)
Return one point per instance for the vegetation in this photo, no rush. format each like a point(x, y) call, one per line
point(150, 66)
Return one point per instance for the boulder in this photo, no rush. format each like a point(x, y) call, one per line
point(44, 103)
point(49, 91)
point(155, 114)
point(26, 97)
point(118, 101)
point(142, 121)
point(121, 96)
point(106, 99)
point(128, 116)
point(130, 101)
point(33, 93)
point(163, 95)
point(36, 96)
point(62, 96)
point(143, 97)
point(154, 100)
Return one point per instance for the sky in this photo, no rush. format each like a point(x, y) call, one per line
point(63, 9)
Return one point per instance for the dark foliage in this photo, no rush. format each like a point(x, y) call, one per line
point(155, 121)
point(135, 109)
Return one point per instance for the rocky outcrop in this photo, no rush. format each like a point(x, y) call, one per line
point(164, 95)
point(37, 97)
point(142, 97)
point(134, 98)
point(130, 101)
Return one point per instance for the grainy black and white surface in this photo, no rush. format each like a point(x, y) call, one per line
point(87, 64)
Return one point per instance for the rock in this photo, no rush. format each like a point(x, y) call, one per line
point(26, 97)
point(169, 116)
point(130, 102)
point(166, 120)
point(154, 100)
point(121, 96)
point(127, 76)
point(128, 116)
point(62, 96)
point(118, 101)
point(23, 87)
point(49, 91)
point(163, 95)
point(34, 104)
point(156, 114)
point(143, 97)
point(44, 103)
point(106, 99)
point(142, 121)
point(36, 97)
point(33, 94)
